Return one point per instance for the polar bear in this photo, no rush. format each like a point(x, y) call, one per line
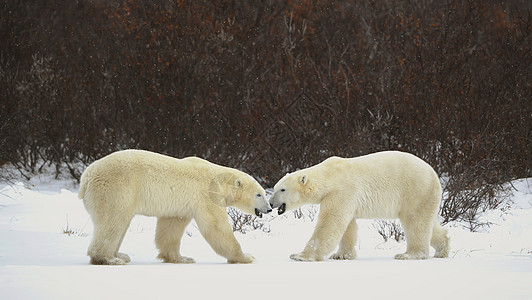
point(382, 185)
point(131, 182)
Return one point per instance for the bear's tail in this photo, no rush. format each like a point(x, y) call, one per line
point(82, 186)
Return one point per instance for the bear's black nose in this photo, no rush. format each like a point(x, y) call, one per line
point(281, 209)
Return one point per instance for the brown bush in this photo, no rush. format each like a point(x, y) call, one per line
point(271, 86)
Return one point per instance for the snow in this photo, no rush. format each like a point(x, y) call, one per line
point(45, 231)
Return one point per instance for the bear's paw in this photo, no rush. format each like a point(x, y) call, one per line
point(244, 259)
point(124, 257)
point(343, 256)
point(303, 257)
point(411, 256)
point(116, 261)
point(175, 259)
point(186, 260)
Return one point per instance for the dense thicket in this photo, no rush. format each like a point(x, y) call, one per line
point(272, 86)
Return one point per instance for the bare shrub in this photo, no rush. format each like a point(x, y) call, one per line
point(312, 212)
point(465, 202)
point(243, 222)
point(73, 231)
point(389, 230)
point(269, 87)
point(298, 213)
point(307, 211)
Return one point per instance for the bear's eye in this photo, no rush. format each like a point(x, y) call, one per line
point(283, 190)
point(258, 195)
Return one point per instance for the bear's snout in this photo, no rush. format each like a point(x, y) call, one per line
point(273, 200)
point(276, 202)
point(258, 213)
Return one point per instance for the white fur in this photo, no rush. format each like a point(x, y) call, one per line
point(131, 182)
point(383, 185)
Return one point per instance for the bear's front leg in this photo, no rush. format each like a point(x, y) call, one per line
point(213, 225)
point(332, 224)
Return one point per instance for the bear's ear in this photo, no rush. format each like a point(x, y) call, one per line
point(238, 183)
point(303, 180)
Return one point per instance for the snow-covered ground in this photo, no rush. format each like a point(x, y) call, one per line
point(45, 231)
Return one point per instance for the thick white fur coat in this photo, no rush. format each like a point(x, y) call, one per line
point(131, 182)
point(384, 185)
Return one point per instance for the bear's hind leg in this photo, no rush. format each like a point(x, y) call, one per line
point(440, 240)
point(418, 233)
point(346, 250)
point(168, 239)
point(106, 241)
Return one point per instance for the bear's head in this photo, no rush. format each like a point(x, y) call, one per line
point(239, 190)
point(292, 191)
